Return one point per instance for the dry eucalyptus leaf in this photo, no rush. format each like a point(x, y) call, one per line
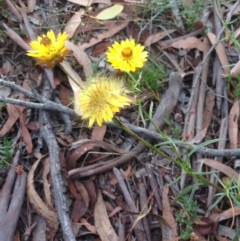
point(233, 125)
point(191, 43)
point(110, 13)
point(86, 3)
point(228, 171)
point(73, 23)
point(102, 222)
point(81, 57)
point(235, 70)
point(221, 53)
point(157, 36)
point(75, 81)
point(31, 5)
point(47, 212)
point(167, 211)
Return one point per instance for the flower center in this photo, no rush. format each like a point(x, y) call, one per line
point(126, 52)
point(46, 41)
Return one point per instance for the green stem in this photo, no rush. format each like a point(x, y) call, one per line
point(131, 76)
point(188, 170)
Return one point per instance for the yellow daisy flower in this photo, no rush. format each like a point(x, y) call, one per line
point(101, 99)
point(127, 56)
point(49, 49)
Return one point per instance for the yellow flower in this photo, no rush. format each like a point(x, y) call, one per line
point(101, 99)
point(49, 49)
point(126, 56)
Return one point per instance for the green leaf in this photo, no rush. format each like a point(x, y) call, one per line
point(110, 13)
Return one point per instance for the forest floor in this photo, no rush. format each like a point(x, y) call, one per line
point(162, 162)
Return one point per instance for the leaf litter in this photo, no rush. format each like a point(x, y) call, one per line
point(114, 187)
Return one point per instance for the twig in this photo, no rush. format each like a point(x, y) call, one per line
point(138, 228)
point(14, 10)
point(146, 25)
point(48, 105)
point(27, 24)
point(57, 181)
point(156, 137)
point(100, 37)
point(16, 38)
point(45, 103)
point(143, 203)
point(221, 146)
point(173, 62)
point(166, 43)
point(65, 117)
point(190, 116)
point(202, 94)
point(18, 88)
point(11, 199)
point(154, 186)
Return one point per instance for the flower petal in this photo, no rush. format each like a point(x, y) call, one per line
point(101, 99)
point(126, 63)
point(51, 53)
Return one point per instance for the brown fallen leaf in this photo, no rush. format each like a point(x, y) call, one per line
point(6, 67)
point(235, 70)
point(46, 183)
point(114, 211)
point(31, 5)
point(204, 226)
point(88, 226)
point(98, 133)
point(227, 214)
point(75, 81)
point(228, 171)
point(157, 36)
point(81, 57)
point(100, 48)
point(86, 146)
point(76, 227)
point(199, 137)
point(81, 202)
point(236, 34)
point(107, 34)
point(13, 115)
point(166, 229)
point(191, 43)
point(208, 109)
point(65, 95)
point(48, 213)
point(233, 125)
point(102, 223)
point(73, 23)
point(25, 134)
point(78, 210)
point(220, 53)
point(81, 189)
point(33, 126)
point(92, 193)
point(167, 211)
point(15, 111)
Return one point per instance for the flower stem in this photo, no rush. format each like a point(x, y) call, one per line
point(178, 161)
point(134, 81)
